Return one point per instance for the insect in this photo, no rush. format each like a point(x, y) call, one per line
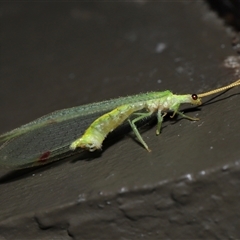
point(56, 135)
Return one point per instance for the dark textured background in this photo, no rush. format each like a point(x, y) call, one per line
point(58, 55)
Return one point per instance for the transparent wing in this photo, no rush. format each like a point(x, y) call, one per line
point(45, 144)
point(48, 138)
point(83, 111)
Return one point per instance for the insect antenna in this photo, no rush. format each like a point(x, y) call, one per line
point(234, 84)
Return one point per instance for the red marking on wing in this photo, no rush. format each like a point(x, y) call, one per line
point(44, 156)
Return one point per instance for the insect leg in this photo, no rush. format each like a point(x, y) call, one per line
point(160, 119)
point(185, 116)
point(135, 130)
point(175, 109)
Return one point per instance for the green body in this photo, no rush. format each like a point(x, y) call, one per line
point(50, 137)
point(81, 111)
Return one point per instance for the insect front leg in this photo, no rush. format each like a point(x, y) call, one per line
point(175, 109)
point(135, 130)
point(185, 116)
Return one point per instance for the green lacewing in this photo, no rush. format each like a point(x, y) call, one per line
point(58, 134)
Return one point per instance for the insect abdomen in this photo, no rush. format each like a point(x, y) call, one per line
point(95, 134)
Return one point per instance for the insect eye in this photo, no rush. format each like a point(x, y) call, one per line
point(194, 96)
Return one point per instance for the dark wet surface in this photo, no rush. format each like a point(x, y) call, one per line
point(60, 55)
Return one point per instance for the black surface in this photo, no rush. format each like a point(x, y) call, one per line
point(61, 55)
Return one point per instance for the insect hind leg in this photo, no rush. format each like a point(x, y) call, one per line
point(135, 130)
